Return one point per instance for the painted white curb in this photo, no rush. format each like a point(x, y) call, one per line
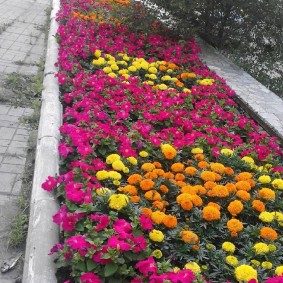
point(43, 233)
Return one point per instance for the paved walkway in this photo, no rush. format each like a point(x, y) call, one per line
point(261, 103)
point(22, 46)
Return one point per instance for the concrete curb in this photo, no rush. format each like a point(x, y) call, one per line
point(42, 232)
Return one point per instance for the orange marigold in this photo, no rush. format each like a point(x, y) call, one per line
point(218, 177)
point(159, 172)
point(234, 226)
point(189, 237)
point(129, 189)
point(177, 167)
point(191, 171)
point(168, 175)
point(186, 204)
point(231, 187)
point(158, 204)
point(180, 177)
point(266, 194)
point(243, 185)
point(162, 68)
point(235, 207)
point(217, 167)
point(243, 176)
point(157, 217)
point(170, 221)
point(168, 151)
point(164, 189)
point(251, 182)
point(197, 200)
point(243, 195)
point(268, 234)
point(152, 195)
point(181, 183)
point(258, 205)
point(228, 171)
point(146, 211)
point(148, 167)
point(151, 175)
point(203, 164)
point(214, 204)
point(157, 164)
point(134, 179)
point(209, 185)
point(207, 176)
point(189, 190)
point(135, 199)
point(146, 184)
point(199, 157)
point(218, 191)
point(210, 213)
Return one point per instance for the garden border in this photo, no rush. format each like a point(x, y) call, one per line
point(42, 232)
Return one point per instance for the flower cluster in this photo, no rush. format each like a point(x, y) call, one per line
point(163, 180)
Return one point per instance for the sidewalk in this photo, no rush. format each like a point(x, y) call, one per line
point(22, 45)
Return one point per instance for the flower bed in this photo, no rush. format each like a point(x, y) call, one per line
point(162, 178)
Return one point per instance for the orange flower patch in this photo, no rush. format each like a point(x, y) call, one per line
point(157, 217)
point(218, 191)
point(129, 189)
point(148, 167)
point(258, 205)
point(189, 190)
point(268, 234)
point(164, 189)
point(231, 187)
point(180, 177)
point(152, 195)
point(157, 164)
point(217, 168)
point(191, 171)
point(146, 184)
point(228, 171)
point(209, 185)
point(266, 194)
point(234, 226)
point(177, 167)
point(170, 221)
point(235, 207)
point(146, 211)
point(200, 157)
point(134, 179)
point(210, 213)
point(203, 164)
point(214, 204)
point(168, 151)
point(243, 185)
point(207, 176)
point(189, 237)
point(243, 176)
point(243, 195)
point(135, 199)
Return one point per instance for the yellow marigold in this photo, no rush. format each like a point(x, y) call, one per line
point(118, 165)
point(277, 184)
point(132, 160)
point(194, 267)
point(266, 264)
point(210, 213)
point(157, 217)
point(243, 185)
point(118, 201)
point(234, 226)
point(189, 237)
point(148, 167)
point(227, 151)
point(143, 154)
point(177, 167)
point(243, 195)
point(157, 254)
point(114, 175)
point(266, 194)
point(103, 191)
point(244, 273)
point(217, 167)
point(261, 248)
point(170, 221)
point(255, 263)
point(97, 53)
point(203, 164)
point(258, 205)
point(134, 179)
point(264, 179)
point(228, 247)
point(168, 151)
point(248, 160)
point(196, 150)
point(102, 175)
point(207, 176)
point(112, 157)
point(279, 270)
point(268, 234)
point(243, 176)
point(146, 211)
point(272, 248)
point(156, 236)
point(218, 191)
point(146, 184)
point(231, 260)
point(278, 216)
point(266, 216)
point(191, 171)
point(152, 195)
point(235, 207)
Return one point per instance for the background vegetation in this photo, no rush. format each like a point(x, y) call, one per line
point(250, 32)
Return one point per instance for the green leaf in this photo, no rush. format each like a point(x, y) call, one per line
point(110, 269)
point(81, 266)
point(90, 265)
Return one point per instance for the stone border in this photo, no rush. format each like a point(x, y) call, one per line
point(264, 106)
point(42, 232)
